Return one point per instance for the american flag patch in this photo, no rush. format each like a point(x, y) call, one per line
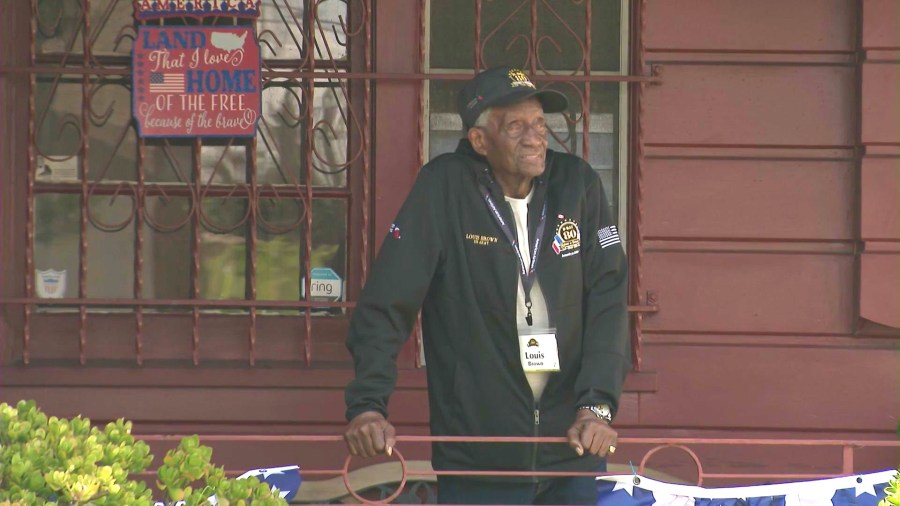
point(607, 236)
point(166, 82)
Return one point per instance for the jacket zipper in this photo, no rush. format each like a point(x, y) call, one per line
point(537, 433)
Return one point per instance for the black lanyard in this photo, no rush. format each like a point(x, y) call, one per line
point(526, 272)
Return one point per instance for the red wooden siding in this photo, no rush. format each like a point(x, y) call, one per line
point(769, 25)
point(741, 386)
point(725, 292)
point(793, 191)
point(751, 217)
point(750, 105)
point(880, 229)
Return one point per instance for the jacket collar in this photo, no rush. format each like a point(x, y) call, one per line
point(483, 174)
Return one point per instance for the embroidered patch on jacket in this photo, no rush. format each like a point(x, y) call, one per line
point(567, 240)
point(481, 240)
point(607, 236)
point(395, 231)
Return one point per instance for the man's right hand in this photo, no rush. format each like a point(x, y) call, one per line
point(369, 434)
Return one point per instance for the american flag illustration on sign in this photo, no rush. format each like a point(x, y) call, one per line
point(166, 82)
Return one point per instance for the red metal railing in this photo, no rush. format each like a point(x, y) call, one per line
point(847, 452)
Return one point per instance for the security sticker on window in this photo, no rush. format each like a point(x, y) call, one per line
point(539, 352)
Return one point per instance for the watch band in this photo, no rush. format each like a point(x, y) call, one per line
point(601, 411)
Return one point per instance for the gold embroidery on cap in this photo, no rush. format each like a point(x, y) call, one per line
point(519, 78)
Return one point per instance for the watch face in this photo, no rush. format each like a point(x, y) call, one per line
point(600, 411)
point(603, 411)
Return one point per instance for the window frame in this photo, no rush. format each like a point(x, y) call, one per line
point(622, 147)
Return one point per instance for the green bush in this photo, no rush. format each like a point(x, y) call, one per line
point(50, 460)
point(892, 492)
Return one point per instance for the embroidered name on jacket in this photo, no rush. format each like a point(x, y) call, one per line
point(567, 240)
point(481, 240)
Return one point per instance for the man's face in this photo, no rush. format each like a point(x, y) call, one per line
point(514, 140)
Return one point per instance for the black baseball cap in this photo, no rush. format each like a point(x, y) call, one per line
point(501, 86)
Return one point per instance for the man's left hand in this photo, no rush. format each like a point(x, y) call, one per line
point(591, 435)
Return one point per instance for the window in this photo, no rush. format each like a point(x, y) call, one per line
point(213, 240)
point(576, 47)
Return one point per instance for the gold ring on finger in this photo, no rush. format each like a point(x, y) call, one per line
point(612, 449)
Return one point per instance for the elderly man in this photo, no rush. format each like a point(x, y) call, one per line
point(510, 251)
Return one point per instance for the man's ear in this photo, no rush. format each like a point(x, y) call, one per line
point(477, 139)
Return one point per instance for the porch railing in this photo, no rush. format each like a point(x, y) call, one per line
point(847, 449)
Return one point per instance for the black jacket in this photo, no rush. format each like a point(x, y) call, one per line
point(446, 254)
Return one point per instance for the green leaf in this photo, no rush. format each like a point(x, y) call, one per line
point(43, 457)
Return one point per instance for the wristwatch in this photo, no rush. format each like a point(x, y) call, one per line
point(602, 411)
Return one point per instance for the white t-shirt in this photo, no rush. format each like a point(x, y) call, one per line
point(540, 317)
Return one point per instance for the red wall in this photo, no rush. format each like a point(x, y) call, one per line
point(758, 141)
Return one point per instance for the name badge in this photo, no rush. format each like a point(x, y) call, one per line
point(539, 352)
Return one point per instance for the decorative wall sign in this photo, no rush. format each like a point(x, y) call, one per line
point(192, 81)
point(155, 9)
